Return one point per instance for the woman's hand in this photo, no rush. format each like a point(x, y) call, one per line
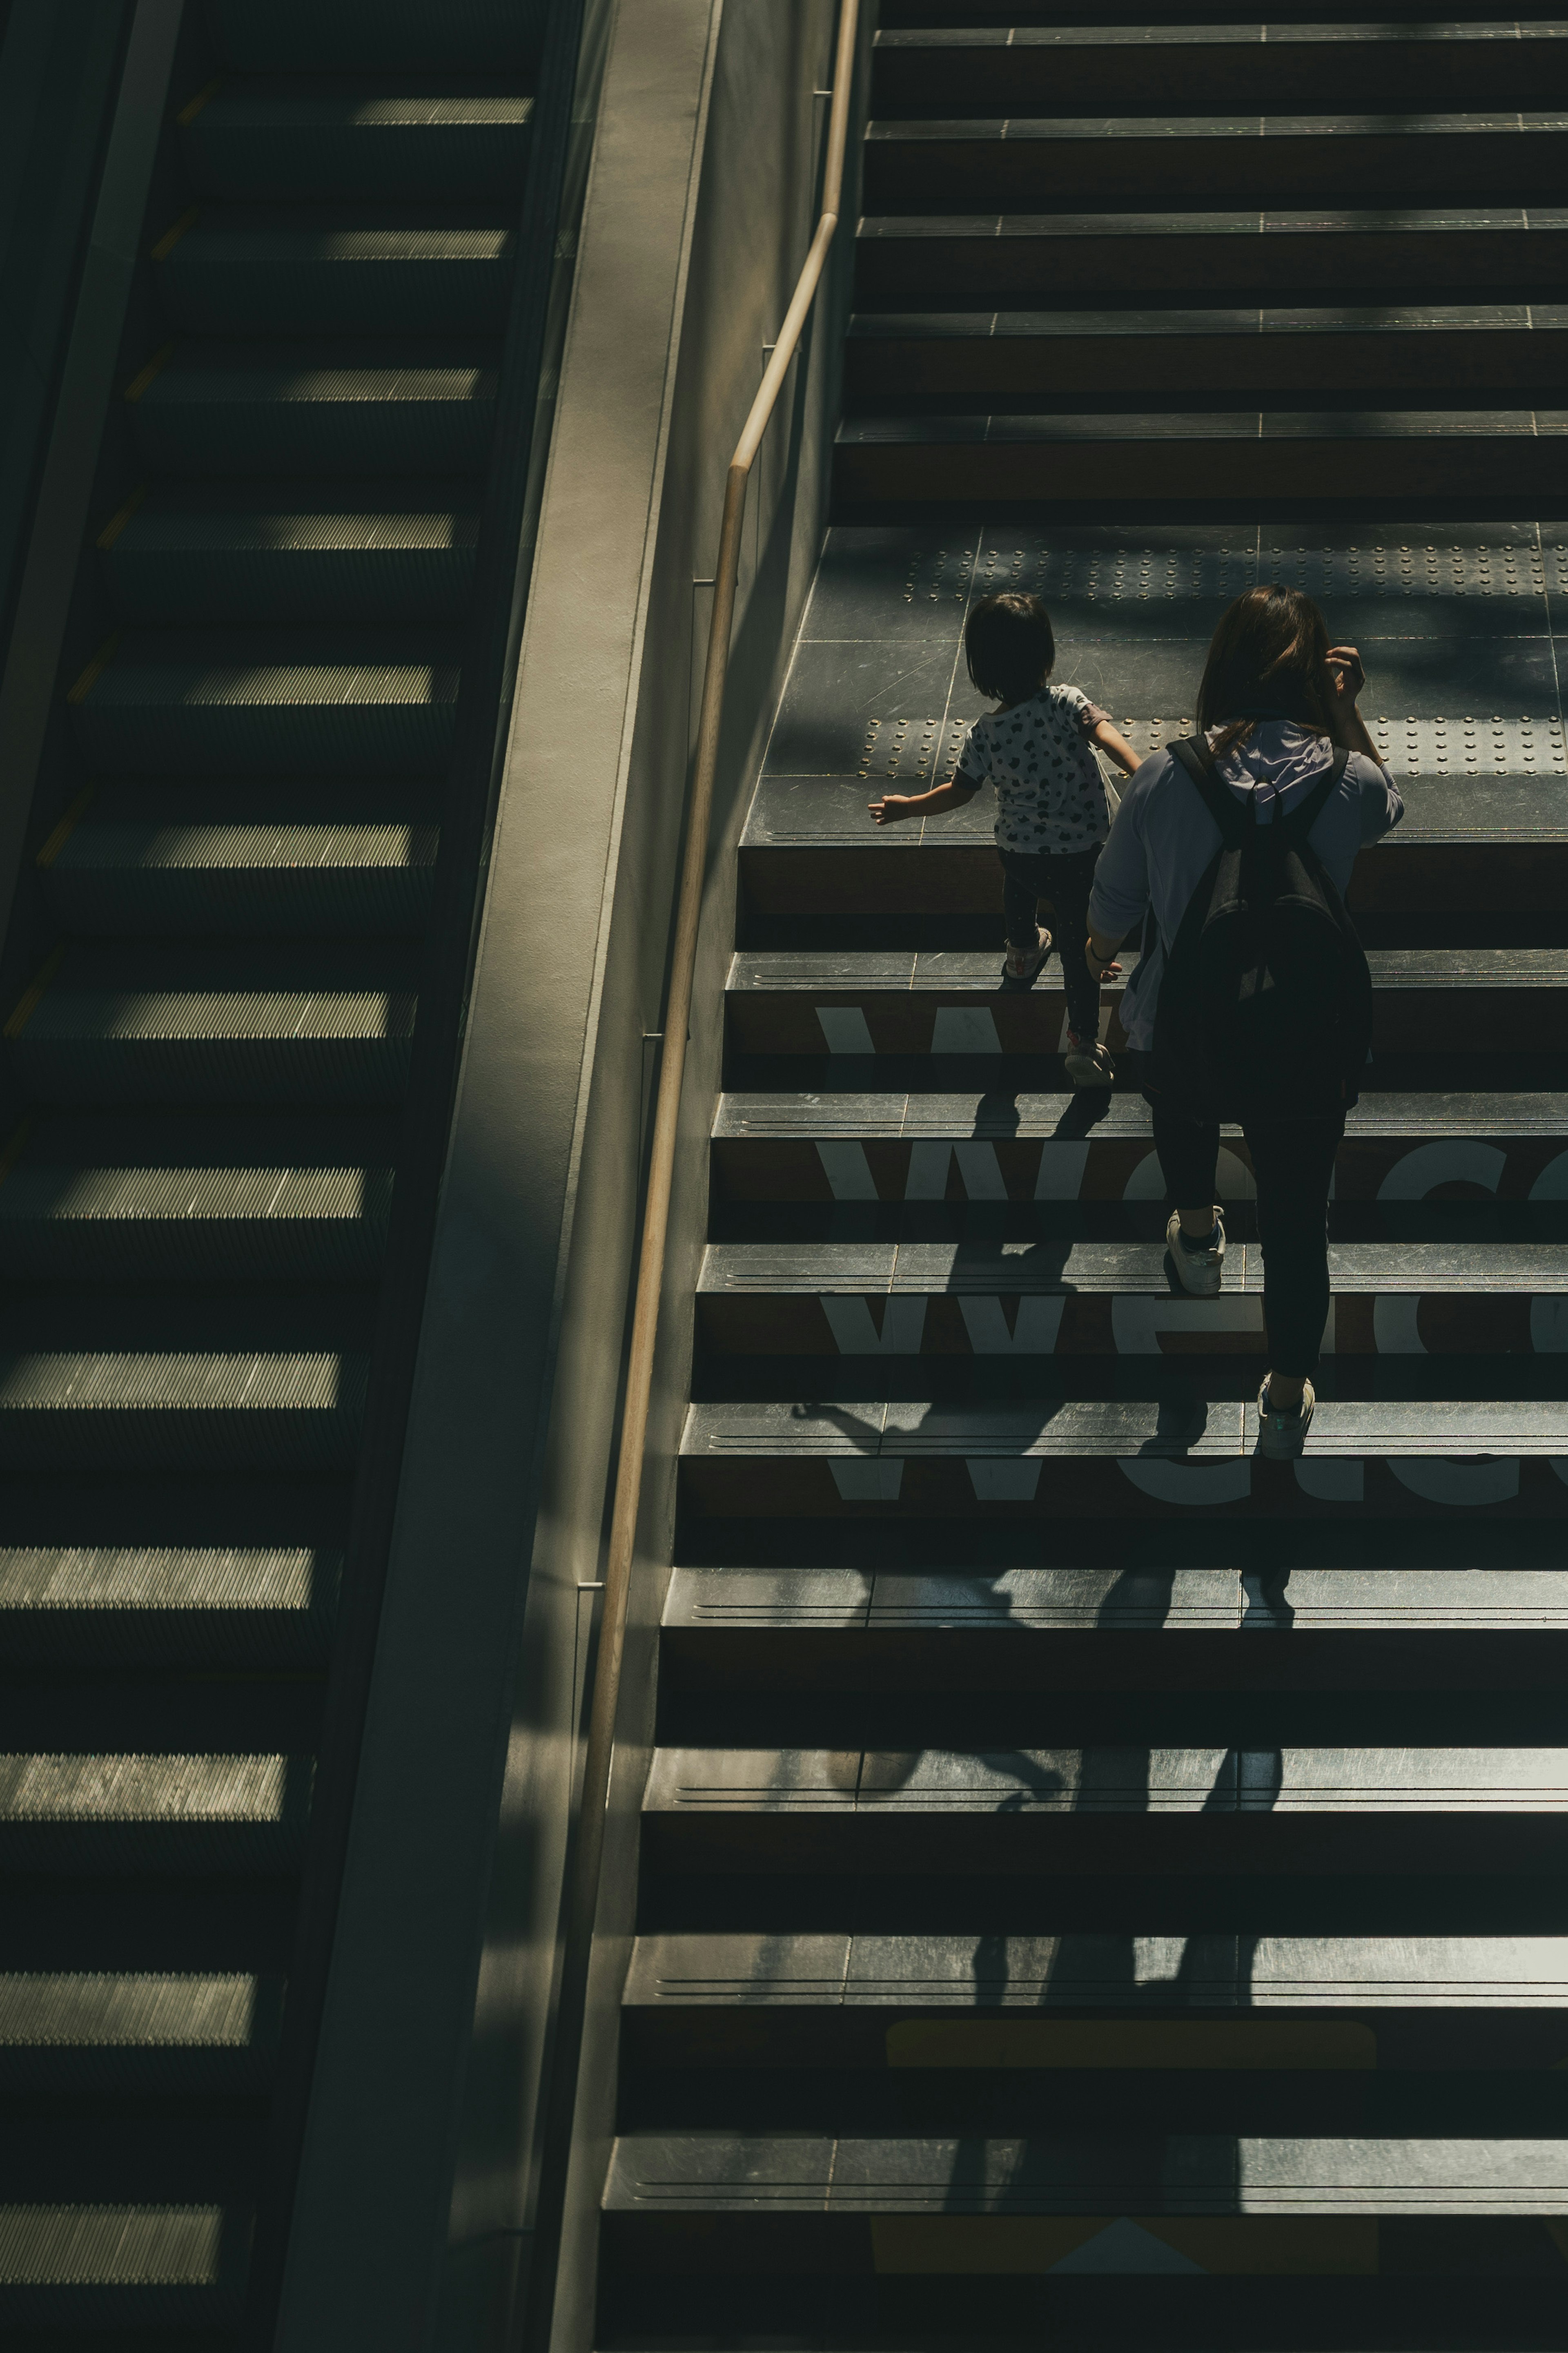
point(1347, 675)
point(1100, 962)
point(891, 807)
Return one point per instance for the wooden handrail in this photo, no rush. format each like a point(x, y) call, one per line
point(583, 1884)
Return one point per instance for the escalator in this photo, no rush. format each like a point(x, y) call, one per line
point(234, 895)
point(1100, 1888)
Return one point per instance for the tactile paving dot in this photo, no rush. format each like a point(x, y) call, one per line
point(920, 751)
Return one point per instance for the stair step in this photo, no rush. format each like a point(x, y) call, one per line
point(898, 1147)
point(229, 859)
point(735, 1634)
point(1067, 1299)
point(678, 1982)
point(1034, 163)
point(271, 1022)
point(1238, 463)
point(313, 408)
point(127, 1605)
point(1084, 1456)
point(252, 703)
point(968, 261)
point(123, 2267)
point(1224, 69)
point(163, 2034)
point(1104, 1810)
point(945, 1001)
point(302, 142)
point(1242, 358)
point(291, 37)
point(274, 554)
point(231, 271)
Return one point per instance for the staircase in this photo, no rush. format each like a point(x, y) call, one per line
point(1101, 1889)
point(224, 936)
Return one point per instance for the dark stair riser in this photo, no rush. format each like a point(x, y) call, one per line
point(242, 146)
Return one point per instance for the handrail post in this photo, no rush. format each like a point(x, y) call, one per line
point(587, 1858)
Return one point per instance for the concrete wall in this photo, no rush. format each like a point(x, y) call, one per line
point(415, 2196)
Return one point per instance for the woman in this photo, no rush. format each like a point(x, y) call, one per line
point(1276, 702)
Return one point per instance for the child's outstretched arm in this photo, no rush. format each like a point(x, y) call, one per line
point(894, 806)
point(1105, 734)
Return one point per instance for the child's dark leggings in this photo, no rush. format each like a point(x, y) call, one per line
point(1292, 1161)
point(1031, 875)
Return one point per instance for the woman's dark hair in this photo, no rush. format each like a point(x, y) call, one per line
point(1268, 659)
point(1008, 645)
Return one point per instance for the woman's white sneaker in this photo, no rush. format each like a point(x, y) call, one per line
point(1281, 1436)
point(1198, 1271)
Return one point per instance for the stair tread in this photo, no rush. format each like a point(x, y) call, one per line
point(1026, 1972)
point(1240, 423)
point(922, 1269)
point(310, 370)
point(963, 1117)
point(341, 108)
point(962, 971)
point(104, 2008)
point(1266, 220)
point(1064, 1428)
point(249, 667)
point(1165, 2173)
point(1379, 321)
point(1213, 128)
point(137, 991)
point(1112, 1603)
point(961, 35)
point(113, 1578)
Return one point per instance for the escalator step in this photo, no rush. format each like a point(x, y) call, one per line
point(107, 1199)
point(125, 1814)
point(233, 275)
point(341, 703)
point(479, 37)
point(215, 858)
point(161, 2034)
point(138, 1604)
point(278, 555)
point(309, 142)
point(168, 1408)
point(123, 2266)
point(313, 408)
point(276, 1022)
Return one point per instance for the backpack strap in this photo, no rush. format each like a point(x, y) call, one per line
point(1301, 820)
point(1194, 755)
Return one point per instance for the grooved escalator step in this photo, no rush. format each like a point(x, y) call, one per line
point(274, 1023)
point(1237, 358)
point(1033, 164)
point(304, 141)
point(942, 1001)
point(1058, 1147)
point(191, 1198)
point(123, 2267)
point(161, 2034)
point(1224, 69)
point(234, 271)
point(250, 1604)
point(152, 1811)
point(1381, 1458)
point(951, 261)
point(300, 36)
point(280, 554)
point(1024, 1300)
point(228, 858)
point(342, 702)
point(318, 408)
point(1105, 1809)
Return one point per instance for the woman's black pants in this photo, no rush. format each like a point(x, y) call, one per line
point(1293, 1162)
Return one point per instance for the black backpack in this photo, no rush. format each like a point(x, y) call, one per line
point(1266, 1000)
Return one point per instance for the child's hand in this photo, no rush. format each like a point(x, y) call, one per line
point(889, 808)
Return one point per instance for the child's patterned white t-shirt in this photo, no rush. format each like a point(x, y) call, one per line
point(1050, 795)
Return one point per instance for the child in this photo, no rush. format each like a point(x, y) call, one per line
point(1051, 816)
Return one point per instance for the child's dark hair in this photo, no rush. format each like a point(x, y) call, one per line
point(1008, 645)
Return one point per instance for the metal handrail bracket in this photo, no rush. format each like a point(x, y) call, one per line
point(584, 1875)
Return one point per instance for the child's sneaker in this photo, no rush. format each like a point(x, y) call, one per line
point(1199, 1265)
point(1022, 971)
point(1281, 1436)
point(1089, 1063)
